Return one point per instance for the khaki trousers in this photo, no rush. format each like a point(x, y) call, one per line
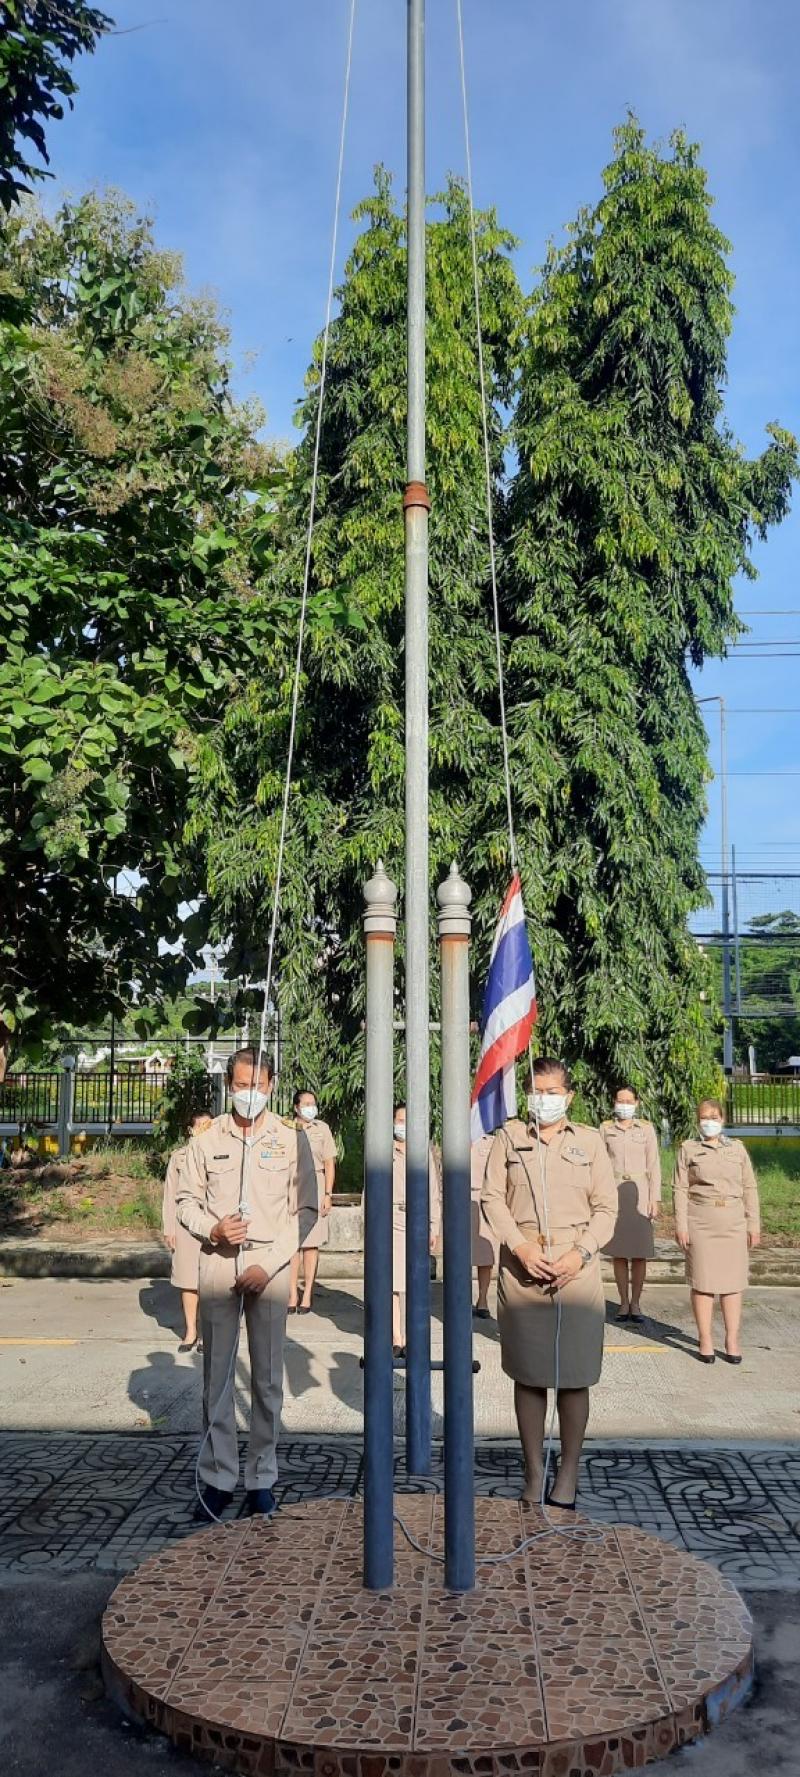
point(266, 1327)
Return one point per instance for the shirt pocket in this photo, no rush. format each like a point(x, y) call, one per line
point(224, 1185)
point(569, 1199)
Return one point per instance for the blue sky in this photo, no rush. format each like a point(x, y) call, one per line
point(223, 121)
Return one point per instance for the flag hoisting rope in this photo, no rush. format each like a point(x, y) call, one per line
point(295, 699)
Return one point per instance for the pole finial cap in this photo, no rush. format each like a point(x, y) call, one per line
point(380, 903)
point(454, 896)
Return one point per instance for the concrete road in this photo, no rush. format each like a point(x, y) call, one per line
point(84, 1355)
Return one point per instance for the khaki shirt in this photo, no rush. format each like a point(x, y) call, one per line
point(632, 1148)
point(479, 1154)
point(715, 1172)
point(170, 1191)
point(581, 1194)
point(273, 1170)
point(321, 1143)
point(399, 1191)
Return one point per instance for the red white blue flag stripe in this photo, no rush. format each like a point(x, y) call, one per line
point(509, 1013)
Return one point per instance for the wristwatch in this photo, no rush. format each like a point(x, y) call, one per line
point(586, 1256)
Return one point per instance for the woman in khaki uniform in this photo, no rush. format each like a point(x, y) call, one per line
point(484, 1248)
point(399, 1224)
point(323, 1150)
point(632, 1147)
point(717, 1221)
point(549, 1198)
point(183, 1246)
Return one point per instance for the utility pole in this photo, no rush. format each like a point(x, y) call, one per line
point(736, 949)
point(416, 506)
point(727, 1003)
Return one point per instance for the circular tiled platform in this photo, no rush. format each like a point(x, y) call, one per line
point(254, 1645)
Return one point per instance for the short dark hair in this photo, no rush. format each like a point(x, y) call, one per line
point(303, 1092)
point(625, 1086)
point(550, 1064)
point(714, 1101)
point(250, 1056)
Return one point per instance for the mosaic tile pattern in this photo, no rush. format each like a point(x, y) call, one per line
point(73, 1501)
point(594, 1652)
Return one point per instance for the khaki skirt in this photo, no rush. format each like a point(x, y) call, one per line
point(484, 1250)
point(321, 1231)
point(527, 1319)
point(717, 1263)
point(185, 1271)
point(633, 1235)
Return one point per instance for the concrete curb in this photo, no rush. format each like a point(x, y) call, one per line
point(148, 1258)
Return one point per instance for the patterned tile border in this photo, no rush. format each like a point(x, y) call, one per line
point(602, 1650)
point(76, 1501)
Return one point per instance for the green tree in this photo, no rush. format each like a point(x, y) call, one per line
point(632, 512)
point(135, 516)
point(347, 802)
point(39, 40)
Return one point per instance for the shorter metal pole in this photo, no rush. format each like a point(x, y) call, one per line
point(380, 925)
point(459, 1436)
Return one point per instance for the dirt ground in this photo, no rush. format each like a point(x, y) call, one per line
point(99, 1194)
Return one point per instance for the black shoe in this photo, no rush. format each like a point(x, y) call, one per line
point(732, 1360)
point(260, 1502)
point(211, 1504)
point(481, 1314)
point(561, 1505)
point(702, 1359)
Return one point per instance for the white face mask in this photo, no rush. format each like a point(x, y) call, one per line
point(249, 1103)
point(623, 1111)
point(710, 1126)
point(308, 1112)
point(399, 1132)
point(547, 1107)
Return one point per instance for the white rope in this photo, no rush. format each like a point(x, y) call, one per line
point(248, 1146)
point(550, 1436)
point(309, 541)
point(486, 443)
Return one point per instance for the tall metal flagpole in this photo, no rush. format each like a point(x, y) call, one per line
point(416, 507)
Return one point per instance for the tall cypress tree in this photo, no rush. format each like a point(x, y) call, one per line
point(631, 513)
point(348, 792)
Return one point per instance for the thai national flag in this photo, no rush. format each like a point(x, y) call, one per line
point(509, 1013)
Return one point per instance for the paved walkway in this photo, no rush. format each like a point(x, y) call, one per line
point(81, 1501)
point(97, 1457)
point(86, 1354)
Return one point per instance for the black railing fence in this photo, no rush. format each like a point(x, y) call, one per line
point(29, 1098)
point(774, 1101)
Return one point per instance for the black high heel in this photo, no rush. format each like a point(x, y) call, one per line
point(732, 1360)
point(702, 1359)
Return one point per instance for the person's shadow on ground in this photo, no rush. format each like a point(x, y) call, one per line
point(162, 1303)
point(651, 1328)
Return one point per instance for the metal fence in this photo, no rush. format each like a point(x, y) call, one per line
point(128, 1101)
point(29, 1098)
point(774, 1101)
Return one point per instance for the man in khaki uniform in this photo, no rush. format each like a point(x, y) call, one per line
point(549, 1198)
point(717, 1223)
point(323, 1149)
point(632, 1146)
point(247, 1192)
